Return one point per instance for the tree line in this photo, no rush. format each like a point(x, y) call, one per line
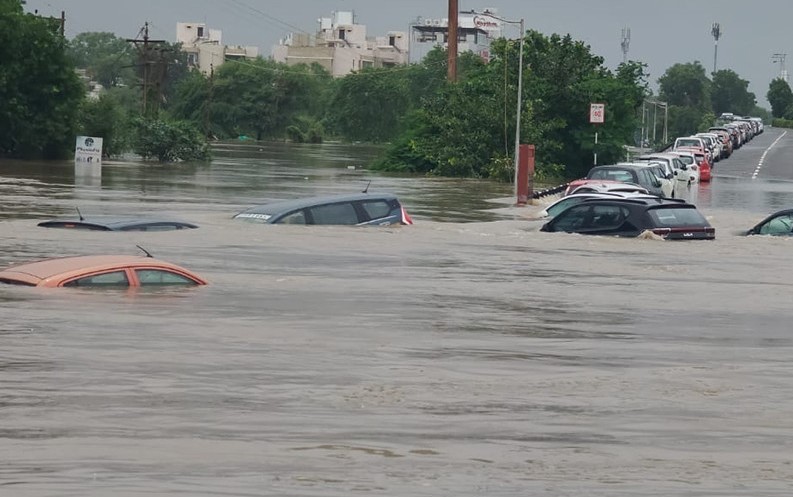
point(428, 125)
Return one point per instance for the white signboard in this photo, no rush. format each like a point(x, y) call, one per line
point(88, 150)
point(597, 113)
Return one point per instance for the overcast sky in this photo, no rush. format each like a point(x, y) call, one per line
point(663, 32)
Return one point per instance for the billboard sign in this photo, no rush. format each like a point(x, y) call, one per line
point(88, 150)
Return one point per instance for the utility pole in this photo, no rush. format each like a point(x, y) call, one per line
point(780, 57)
point(208, 105)
point(626, 43)
point(153, 69)
point(452, 40)
point(716, 32)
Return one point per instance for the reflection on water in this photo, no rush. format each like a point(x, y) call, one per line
point(468, 354)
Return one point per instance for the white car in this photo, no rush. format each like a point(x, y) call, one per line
point(690, 171)
point(574, 198)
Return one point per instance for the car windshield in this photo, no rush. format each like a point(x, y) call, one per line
point(689, 143)
point(622, 175)
point(558, 207)
point(675, 217)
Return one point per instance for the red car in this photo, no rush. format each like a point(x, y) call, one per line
point(99, 271)
point(702, 162)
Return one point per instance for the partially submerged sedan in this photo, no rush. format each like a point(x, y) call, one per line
point(363, 209)
point(99, 271)
point(117, 223)
point(777, 224)
point(671, 219)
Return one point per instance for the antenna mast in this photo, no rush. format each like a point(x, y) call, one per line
point(716, 32)
point(780, 57)
point(626, 43)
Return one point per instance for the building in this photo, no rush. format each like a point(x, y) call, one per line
point(205, 49)
point(342, 46)
point(474, 34)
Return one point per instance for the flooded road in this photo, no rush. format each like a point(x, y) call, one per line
point(468, 354)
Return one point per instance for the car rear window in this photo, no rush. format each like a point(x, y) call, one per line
point(688, 143)
point(675, 217)
point(376, 209)
point(622, 175)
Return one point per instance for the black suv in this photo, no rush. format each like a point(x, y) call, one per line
point(671, 219)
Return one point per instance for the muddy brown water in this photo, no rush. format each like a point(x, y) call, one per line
point(468, 354)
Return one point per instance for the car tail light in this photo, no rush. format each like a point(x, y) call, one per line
point(662, 232)
point(406, 219)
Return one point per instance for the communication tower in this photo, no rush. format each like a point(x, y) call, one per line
point(716, 32)
point(626, 43)
point(780, 57)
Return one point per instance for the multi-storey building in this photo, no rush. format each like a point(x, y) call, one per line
point(342, 46)
point(205, 49)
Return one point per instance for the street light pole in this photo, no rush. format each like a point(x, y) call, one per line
point(520, 85)
point(520, 95)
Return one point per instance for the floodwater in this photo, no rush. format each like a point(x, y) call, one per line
point(468, 354)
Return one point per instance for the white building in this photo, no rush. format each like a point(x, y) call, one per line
point(341, 46)
point(205, 49)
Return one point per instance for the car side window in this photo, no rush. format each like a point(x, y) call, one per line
point(149, 277)
point(607, 217)
point(343, 213)
point(113, 278)
point(781, 225)
point(376, 209)
point(573, 219)
point(298, 217)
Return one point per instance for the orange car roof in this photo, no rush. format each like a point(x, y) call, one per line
point(34, 272)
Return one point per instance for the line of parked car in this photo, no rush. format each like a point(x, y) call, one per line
point(631, 198)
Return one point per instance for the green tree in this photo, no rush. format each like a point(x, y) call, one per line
point(687, 90)
point(106, 58)
point(168, 141)
point(257, 98)
point(730, 93)
point(106, 117)
point(686, 85)
point(39, 91)
point(468, 128)
point(369, 105)
point(780, 97)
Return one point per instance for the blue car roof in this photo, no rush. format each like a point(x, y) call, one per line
point(114, 223)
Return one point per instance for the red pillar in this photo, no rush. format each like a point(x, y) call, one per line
point(525, 187)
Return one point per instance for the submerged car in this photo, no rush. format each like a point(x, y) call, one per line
point(777, 224)
point(671, 219)
point(363, 209)
point(570, 200)
point(99, 271)
point(117, 223)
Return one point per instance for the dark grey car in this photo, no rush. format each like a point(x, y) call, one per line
point(644, 175)
point(363, 209)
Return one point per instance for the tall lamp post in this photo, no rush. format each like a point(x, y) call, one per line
point(520, 83)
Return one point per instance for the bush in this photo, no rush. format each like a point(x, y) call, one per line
point(169, 141)
point(782, 123)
